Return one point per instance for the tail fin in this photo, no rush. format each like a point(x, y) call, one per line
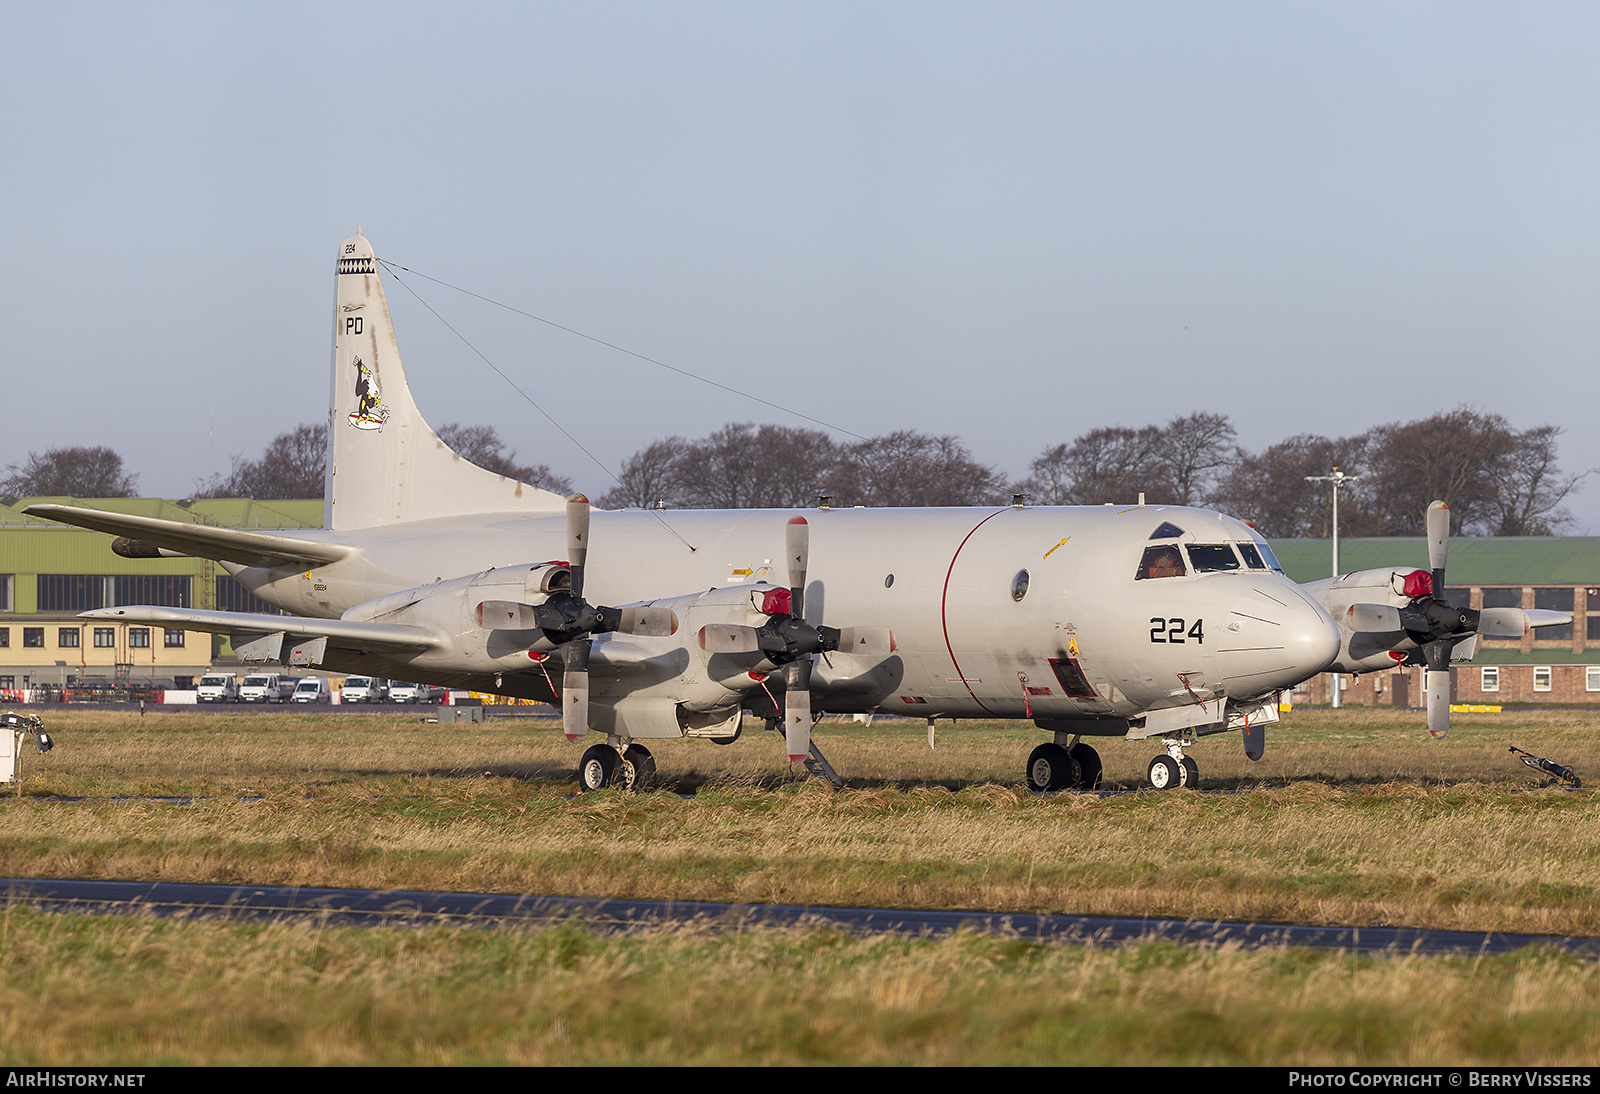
point(385, 464)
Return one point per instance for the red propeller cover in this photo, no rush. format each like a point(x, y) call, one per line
point(776, 602)
point(1419, 583)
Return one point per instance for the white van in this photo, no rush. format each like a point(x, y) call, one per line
point(312, 689)
point(216, 687)
point(404, 691)
point(363, 689)
point(265, 687)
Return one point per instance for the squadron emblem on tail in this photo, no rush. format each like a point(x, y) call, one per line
point(369, 412)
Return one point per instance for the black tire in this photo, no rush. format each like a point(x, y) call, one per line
point(598, 767)
point(1164, 773)
point(1089, 767)
point(1191, 774)
point(644, 766)
point(1051, 767)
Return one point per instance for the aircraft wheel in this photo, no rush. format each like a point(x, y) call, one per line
point(1089, 767)
point(1165, 773)
point(1191, 773)
point(598, 766)
point(1051, 767)
point(643, 764)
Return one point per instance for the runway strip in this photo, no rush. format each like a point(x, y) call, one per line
point(369, 908)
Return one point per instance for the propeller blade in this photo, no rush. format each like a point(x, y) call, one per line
point(648, 621)
point(1438, 522)
point(577, 540)
point(1438, 684)
point(1544, 617)
point(1505, 622)
point(729, 638)
point(1376, 618)
point(867, 641)
point(797, 544)
point(797, 709)
point(575, 689)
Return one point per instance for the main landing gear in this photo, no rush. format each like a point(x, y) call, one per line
point(631, 768)
point(1063, 767)
point(1174, 769)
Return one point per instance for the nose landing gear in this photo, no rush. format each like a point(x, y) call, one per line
point(1175, 769)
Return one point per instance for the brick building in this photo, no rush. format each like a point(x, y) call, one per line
point(1550, 665)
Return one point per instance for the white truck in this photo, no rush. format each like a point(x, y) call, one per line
point(266, 687)
point(217, 687)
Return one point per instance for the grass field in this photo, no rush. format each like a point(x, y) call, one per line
point(1353, 817)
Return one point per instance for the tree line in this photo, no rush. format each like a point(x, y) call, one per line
point(1498, 480)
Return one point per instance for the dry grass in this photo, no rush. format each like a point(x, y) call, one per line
point(1354, 817)
point(148, 992)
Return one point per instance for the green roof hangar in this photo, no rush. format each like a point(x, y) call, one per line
point(50, 572)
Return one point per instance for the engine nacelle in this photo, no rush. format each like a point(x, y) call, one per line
point(482, 615)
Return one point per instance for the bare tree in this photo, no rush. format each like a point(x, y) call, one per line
point(1451, 456)
point(907, 468)
point(1112, 464)
point(1193, 448)
point(1270, 490)
point(1527, 488)
point(744, 467)
point(649, 476)
point(292, 466)
point(79, 472)
point(481, 444)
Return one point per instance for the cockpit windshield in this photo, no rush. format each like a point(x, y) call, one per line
point(1210, 558)
point(1160, 562)
point(1252, 557)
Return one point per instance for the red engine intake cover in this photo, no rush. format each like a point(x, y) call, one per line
point(776, 602)
point(1419, 583)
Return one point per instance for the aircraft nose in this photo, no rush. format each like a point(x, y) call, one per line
point(1275, 637)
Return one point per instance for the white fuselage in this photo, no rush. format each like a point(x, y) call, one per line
point(942, 580)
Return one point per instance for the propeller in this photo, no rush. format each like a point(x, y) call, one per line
point(571, 622)
point(1435, 626)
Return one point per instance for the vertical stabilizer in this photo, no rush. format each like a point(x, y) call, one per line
point(385, 465)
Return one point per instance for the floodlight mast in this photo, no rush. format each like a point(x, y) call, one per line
point(1338, 478)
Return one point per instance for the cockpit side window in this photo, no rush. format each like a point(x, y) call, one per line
point(1160, 562)
point(1252, 557)
point(1266, 553)
point(1211, 558)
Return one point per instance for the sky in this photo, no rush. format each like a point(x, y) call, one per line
point(1013, 223)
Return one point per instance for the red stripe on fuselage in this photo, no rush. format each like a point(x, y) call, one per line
point(944, 623)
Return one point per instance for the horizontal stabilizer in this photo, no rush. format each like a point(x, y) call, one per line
point(177, 537)
point(342, 634)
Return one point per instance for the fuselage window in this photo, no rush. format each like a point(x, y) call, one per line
point(1252, 557)
point(1160, 562)
point(1210, 558)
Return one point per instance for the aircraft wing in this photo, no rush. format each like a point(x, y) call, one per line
point(342, 634)
point(154, 538)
